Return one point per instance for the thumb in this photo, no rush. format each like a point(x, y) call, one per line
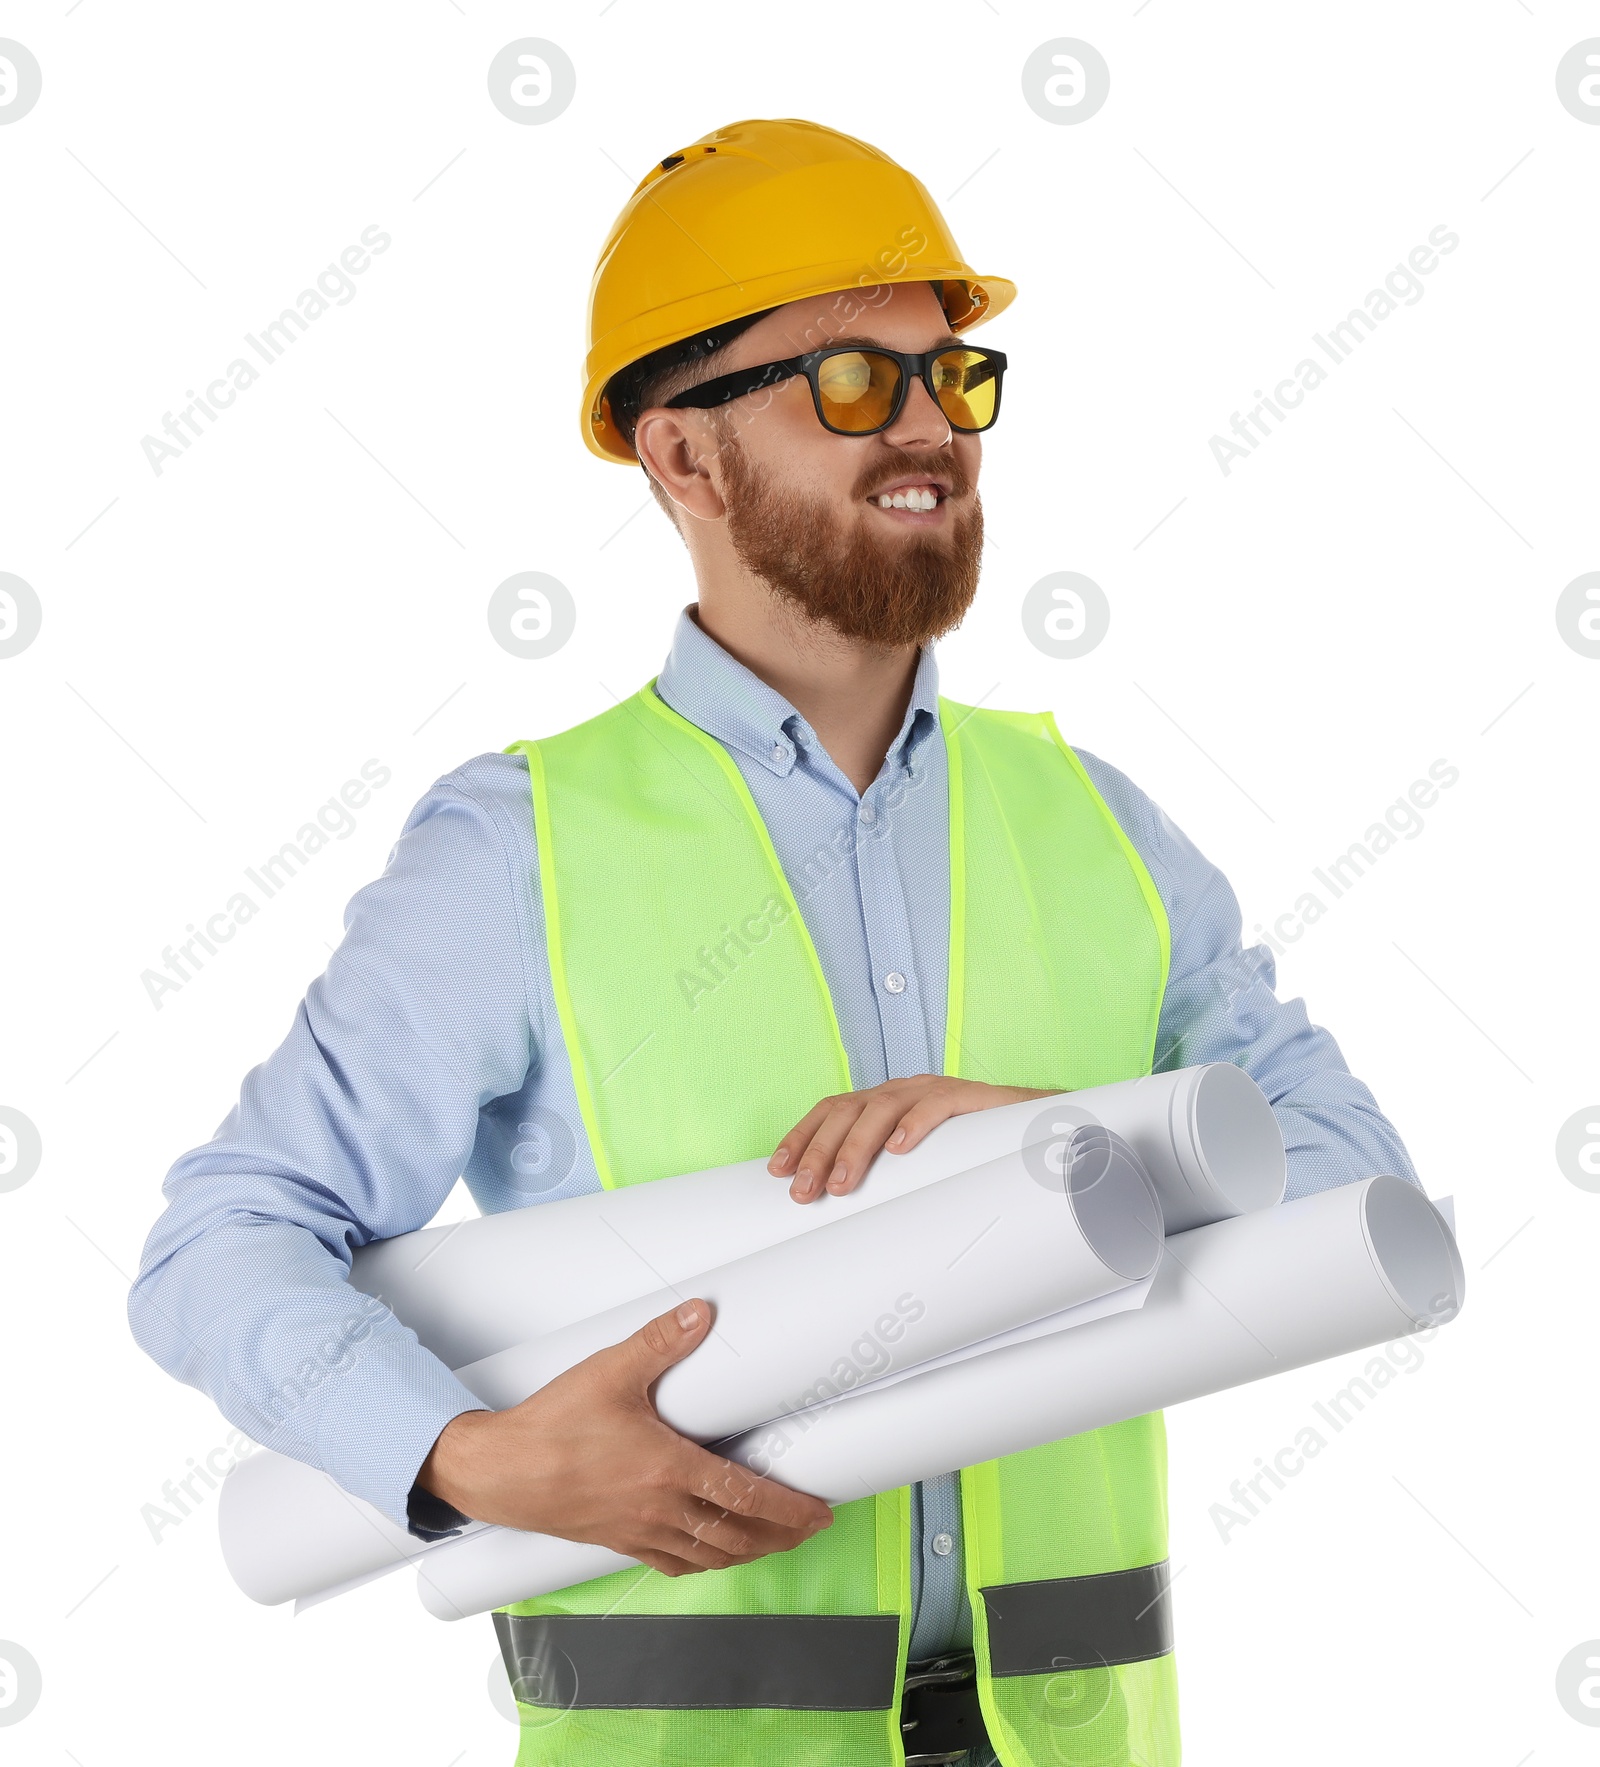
point(666, 1339)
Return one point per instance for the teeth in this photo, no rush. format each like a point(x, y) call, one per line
point(915, 498)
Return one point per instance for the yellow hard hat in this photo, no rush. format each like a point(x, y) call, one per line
point(751, 216)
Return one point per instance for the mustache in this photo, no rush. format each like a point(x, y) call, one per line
point(902, 464)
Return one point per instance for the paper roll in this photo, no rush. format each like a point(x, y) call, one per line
point(1207, 1134)
point(483, 1285)
point(1015, 1241)
point(1232, 1302)
point(336, 1539)
point(924, 1275)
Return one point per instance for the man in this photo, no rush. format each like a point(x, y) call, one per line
point(785, 900)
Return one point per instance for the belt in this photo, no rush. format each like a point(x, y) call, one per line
point(940, 1718)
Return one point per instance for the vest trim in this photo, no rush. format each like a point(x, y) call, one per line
point(1061, 1623)
point(955, 814)
point(797, 1662)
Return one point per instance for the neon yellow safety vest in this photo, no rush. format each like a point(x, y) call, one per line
point(653, 857)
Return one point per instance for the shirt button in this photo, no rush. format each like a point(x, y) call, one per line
point(942, 1544)
point(868, 815)
point(779, 753)
point(895, 982)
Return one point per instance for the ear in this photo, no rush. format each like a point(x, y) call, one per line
point(678, 446)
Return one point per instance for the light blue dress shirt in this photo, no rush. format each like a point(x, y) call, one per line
point(430, 1048)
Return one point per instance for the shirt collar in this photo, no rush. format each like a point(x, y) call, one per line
point(715, 691)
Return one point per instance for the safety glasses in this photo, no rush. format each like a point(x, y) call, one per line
point(859, 391)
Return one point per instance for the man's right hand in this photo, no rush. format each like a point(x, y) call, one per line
point(587, 1458)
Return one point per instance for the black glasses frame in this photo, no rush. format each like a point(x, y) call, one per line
point(913, 366)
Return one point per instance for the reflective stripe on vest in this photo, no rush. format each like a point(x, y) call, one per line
point(796, 1662)
point(1079, 1622)
point(700, 1029)
point(820, 1662)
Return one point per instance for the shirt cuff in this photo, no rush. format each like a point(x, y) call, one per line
point(378, 1421)
point(431, 1518)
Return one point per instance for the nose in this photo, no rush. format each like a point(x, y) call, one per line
point(921, 424)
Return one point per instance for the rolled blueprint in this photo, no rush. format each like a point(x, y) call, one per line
point(1207, 1135)
point(935, 1271)
point(928, 1274)
point(337, 1538)
point(1232, 1302)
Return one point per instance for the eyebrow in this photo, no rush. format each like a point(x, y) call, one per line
point(861, 340)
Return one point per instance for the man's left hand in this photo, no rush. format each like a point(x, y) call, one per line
point(836, 1140)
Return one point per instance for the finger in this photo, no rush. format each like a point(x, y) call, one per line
point(645, 1356)
point(789, 1149)
point(742, 1492)
point(743, 1537)
point(865, 1140)
point(821, 1152)
point(665, 1527)
point(928, 1111)
point(704, 1554)
point(669, 1564)
point(716, 1527)
point(685, 1530)
point(696, 1553)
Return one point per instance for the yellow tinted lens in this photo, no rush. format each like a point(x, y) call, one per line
point(858, 389)
point(967, 387)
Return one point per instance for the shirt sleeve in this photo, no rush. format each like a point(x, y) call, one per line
point(1221, 1005)
point(354, 1129)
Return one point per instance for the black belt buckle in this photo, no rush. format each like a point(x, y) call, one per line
point(940, 1718)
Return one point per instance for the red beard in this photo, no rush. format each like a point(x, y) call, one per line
point(885, 589)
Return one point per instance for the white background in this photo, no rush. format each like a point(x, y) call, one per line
point(1373, 589)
